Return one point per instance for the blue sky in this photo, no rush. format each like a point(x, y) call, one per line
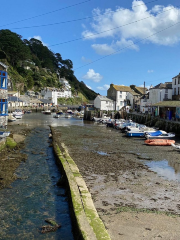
point(120, 42)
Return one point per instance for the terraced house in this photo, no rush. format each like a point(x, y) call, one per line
point(3, 95)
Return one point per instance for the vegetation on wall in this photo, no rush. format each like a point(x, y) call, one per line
point(35, 66)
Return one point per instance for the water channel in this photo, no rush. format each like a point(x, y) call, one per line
point(34, 196)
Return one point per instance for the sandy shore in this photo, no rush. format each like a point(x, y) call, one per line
point(133, 201)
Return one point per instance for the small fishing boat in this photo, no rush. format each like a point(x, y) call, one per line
point(159, 142)
point(159, 135)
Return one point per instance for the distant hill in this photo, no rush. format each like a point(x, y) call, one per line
point(33, 66)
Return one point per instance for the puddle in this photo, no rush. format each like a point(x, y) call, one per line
point(102, 153)
point(166, 169)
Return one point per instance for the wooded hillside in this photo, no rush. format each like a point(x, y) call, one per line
point(33, 66)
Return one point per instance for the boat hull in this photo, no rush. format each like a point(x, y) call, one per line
point(135, 134)
point(159, 142)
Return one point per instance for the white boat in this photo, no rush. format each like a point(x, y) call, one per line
point(4, 134)
point(159, 135)
point(18, 116)
point(175, 146)
point(11, 118)
point(18, 113)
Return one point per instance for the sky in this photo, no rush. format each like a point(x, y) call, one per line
point(122, 42)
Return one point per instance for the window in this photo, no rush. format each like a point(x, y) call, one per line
point(178, 80)
point(120, 92)
point(175, 81)
point(121, 103)
point(178, 90)
point(3, 79)
point(3, 107)
point(120, 96)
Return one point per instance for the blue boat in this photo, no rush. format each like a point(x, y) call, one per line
point(135, 134)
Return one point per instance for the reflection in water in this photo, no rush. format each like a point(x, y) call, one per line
point(165, 168)
point(40, 119)
point(35, 196)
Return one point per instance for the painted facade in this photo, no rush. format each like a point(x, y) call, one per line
point(3, 95)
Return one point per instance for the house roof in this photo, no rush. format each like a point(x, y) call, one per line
point(2, 64)
point(45, 101)
point(124, 89)
point(166, 85)
point(104, 98)
point(177, 76)
point(167, 104)
point(35, 101)
point(14, 99)
point(141, 89)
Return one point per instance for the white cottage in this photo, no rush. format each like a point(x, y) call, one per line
point(122, 96)
point(103, 103)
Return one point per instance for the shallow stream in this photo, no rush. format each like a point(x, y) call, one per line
point(34, 196)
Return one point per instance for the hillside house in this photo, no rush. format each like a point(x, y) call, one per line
point(53, 94)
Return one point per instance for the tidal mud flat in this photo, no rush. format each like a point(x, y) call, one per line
point(135, 196)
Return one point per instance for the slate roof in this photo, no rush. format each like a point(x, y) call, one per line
point(104, 98)
point(124, 89)
point(45, 101)
point(167, 104)
point(2, 64)
point(166, 85)
point(14, 99)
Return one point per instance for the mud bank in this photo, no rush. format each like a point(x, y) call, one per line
point(133, 201)
point(11, 157)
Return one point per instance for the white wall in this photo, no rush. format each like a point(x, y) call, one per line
point(158, 95)
point(103, 104)
point(176, 86)
point(120, 97)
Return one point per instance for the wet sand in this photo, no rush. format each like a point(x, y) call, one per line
point(133, 201)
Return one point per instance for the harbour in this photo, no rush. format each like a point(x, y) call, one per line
point(121, 173)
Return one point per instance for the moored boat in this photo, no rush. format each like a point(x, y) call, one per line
point(159, 135)
point(159, 142)
point(4, 134)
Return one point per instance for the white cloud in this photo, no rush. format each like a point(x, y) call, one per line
point(105, 49)
point(154, 20)
point(150, 71)
point(40, 39)
point(104, 87)
point(88, 87)
point(85, 60)
point(91, 75)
